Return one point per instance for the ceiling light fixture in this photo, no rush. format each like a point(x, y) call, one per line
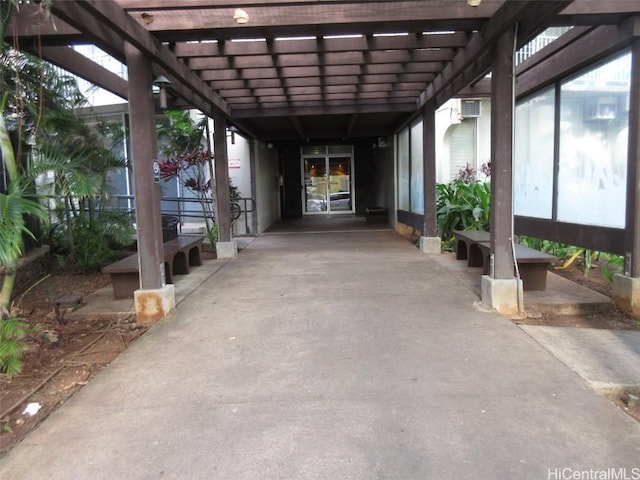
point(474, 3)
point(240, 16)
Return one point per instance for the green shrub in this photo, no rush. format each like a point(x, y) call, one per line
point(13, 330)
point(611, 265)
point(91, 245)
point(462, 206)
point(92, 250)
point(568, 254)
point(213, 235)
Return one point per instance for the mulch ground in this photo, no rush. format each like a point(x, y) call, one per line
point(61, 356)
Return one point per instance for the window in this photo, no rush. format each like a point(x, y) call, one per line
point(533, 164)
point(403, 170)
point(417, 169)
point(594, 120)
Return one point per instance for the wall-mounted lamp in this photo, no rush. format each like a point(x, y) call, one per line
point(240, 16)
point(233, 130)
point(162, 83)
point(474, 3)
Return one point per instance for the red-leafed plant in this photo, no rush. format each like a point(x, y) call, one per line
point(187, 159)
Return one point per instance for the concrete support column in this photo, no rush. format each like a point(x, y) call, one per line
point(254, 189)
point(500, 289)
point(147, 192)
point(626, 288)
point(430, 241)
point(225, 247)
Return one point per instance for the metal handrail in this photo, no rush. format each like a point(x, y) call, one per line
point(245, 205)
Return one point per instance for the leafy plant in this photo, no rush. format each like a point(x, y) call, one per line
point(569, 254)
point(186, 158)
point(13, 330)
point(462, 206)
point(15, 203)
point(612, 265)
point(92, 249)
point(213, 235)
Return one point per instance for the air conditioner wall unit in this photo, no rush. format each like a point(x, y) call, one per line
point(469, 108)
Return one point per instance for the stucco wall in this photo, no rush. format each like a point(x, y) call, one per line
point(267, 186)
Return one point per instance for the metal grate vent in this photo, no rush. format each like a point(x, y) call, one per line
point(470, 108)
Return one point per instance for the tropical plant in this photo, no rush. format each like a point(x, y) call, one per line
point(611, 265)
point(570, 254)
point(78, 170)
point(35, 108)
point(13, 331)
point(186, 158)
point(212, 233)
point(14, 204)
point(462, 206)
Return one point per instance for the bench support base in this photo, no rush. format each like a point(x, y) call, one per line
point(154, 304)
point(227, 249)
point(377, 215)
point(503, 295)
point(430, 245)
point(626, 294)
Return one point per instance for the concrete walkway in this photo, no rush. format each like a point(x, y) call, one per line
point(331, 356)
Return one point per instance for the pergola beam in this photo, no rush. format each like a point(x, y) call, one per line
point(474, 60)
point(318, 108)
point(77, 64)
point(107, 20)
point(326, 18)
point(331, 45)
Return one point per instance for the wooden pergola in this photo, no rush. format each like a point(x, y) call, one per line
point(314, 69)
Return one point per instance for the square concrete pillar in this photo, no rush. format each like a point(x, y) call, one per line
point(154, 304)
point(503, 295)
point(430, 245)
point(227, 249)
point(626, 294)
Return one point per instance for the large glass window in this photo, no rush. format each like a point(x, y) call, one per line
point(417, 169)
point(403, 170)
point(594, 117)
point(533, 163)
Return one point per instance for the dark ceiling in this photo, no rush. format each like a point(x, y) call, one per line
point(303, 69)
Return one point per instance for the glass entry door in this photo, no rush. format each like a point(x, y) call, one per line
point(328, 184)
point(315, 185)
point(340, 184)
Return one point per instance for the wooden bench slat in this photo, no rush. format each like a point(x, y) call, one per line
point(179, 255)
point(475, 247)
point(467, 246)
point(532, 265)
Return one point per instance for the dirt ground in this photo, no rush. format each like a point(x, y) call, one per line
point(61, 356)
point(64, 356)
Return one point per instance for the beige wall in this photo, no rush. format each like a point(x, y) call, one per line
point(267, 186)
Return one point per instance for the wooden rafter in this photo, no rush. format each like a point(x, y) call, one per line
point(306, 57)
point(108, 21)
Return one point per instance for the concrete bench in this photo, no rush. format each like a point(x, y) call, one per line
point(532, 264)
point(467, 246)
point(376, 215)
point(179, 255)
